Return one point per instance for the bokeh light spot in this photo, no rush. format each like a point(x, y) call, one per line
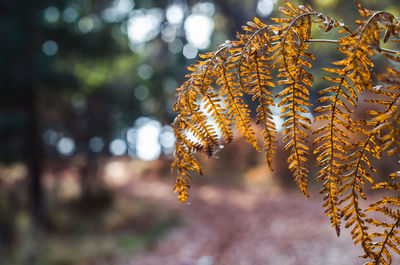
point(168, 32)
point(51, 137)
point(131, 136)
point(204, 8)
point(116, 174)
point(144, 24)
point(70, 15)
point(66, 146)
point(145, 71)
point(141, 92)
point(265, 7)
point(175, 46)
point(118, 147)
point(198, 30)
point(96, 144)
point(51, 14)
point(276, 111)
point(49, 48)
point(117, 11)
point(148, 147)
point(189, 51)
point(86, 24)
point(175, 14)
point(167, 139)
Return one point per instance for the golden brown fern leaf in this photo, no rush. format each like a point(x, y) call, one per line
point(391, 140)
point(362, 44)
point(200, 125)
point(257, 77)
point(184, 161)
point(198, 107)
point(389, 120)
point(358, 164)
point(212, 104)
point(389, 239)
point(255, 38)
point(251, 57)
point(291, 59)
point(354, 174)
point(383, 242)
point(229, 89)
point(332, 139)
point(191, 119)
point(333, 147)
point(183, 164)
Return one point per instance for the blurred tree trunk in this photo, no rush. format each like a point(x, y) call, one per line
point(90, 184)
point(33, 155)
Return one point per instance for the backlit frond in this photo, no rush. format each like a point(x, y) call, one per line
point(211, 104)
point(389, 119)
point(387, 240)
point(292, 61)
point(237, 111)
point(252, 58)
point(354, 77)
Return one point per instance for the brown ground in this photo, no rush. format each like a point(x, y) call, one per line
point(224, 226)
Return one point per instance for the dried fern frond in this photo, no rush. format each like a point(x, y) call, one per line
point(292, 61)
point(389, 120)
point(229, 89)
point(252, 58)
point(383, 242)
point(359, 164)
point(210, 104)
point(333, 146)
point(182, 165)
point(192, 127)
point(369, 147)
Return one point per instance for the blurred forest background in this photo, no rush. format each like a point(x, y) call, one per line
point(87, 88)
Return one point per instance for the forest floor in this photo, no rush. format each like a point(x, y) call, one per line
point(142, 223)
point(231, 226)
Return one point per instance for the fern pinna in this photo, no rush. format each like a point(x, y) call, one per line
point(210, 106)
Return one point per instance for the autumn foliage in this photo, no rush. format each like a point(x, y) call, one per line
point(210, 105)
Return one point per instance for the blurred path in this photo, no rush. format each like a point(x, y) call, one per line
point(227, 226)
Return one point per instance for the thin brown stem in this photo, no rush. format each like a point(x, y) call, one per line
point(385, 50)
point(335, 41)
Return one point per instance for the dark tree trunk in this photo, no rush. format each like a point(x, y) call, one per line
point(33, 154)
